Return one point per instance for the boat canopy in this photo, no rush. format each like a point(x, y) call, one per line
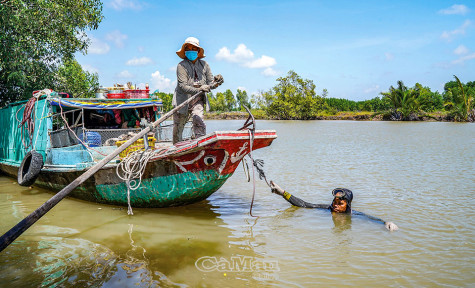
point(104, 103)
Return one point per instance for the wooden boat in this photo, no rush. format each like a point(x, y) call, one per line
point(73, 134)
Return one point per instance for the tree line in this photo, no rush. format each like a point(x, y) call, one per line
point(413, 103)
point(295, 98)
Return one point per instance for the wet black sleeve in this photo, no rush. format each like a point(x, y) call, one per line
point(300, 203)
point(354, 212)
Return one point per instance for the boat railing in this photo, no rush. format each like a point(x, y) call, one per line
point(164, 132)
point(73, 126)
point(65, 137)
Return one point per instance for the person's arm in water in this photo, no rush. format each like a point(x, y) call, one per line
point(389, 225)
point(300, 203)
point(295, 200)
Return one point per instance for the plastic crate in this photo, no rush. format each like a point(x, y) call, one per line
point(137, 145)
point(92, 139)
point(116, 95)
point(136, 93)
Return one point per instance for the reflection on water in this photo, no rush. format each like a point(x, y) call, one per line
point(342, 222)
point(392, 168)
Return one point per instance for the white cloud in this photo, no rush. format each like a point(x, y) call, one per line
point(455, 9)
point(263, 62)
point(449, 35)
point(389, 56)
point(162, 83)
point(461, 50)
point(125, 74)
point(117, 38)
point(90, 68)
point(269, 72)
point(240, 54)
point(241, 88)
point(463, 59)
point(126, 5)
point(245, 57)
point(139, 61)
point(140, 48)
point(372, 89)
point(172, 69)
point(98, 47)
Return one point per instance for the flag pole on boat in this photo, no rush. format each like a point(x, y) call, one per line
point(29, 220)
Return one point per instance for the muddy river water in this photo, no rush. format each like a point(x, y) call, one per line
point(421, 176)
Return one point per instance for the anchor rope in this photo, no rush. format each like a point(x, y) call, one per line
point(259, 164)
point(251, 141)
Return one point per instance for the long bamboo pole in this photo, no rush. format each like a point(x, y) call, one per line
point(26, 223)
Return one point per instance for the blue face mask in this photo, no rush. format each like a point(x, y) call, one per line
point(191, 55)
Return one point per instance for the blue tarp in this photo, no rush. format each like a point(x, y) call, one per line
point(104, 103)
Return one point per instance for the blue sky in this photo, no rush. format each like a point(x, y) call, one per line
point(354, 49)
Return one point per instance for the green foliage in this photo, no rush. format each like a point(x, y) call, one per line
point(36, 36)
point(71, 79)
point(223, 102)
point(167, 99)
point(242, 100)
point(292, 98)
point(405, 104)
point(461, 104)
point(218, 102)
point(230, 100)
point(335, 105)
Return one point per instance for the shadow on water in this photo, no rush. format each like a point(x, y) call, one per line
point(99, 245)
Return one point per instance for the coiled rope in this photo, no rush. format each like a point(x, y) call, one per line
point(29, 115)
point(132, 168)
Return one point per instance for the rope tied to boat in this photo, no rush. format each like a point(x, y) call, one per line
point(132, 168)
point(250, 125)
point(259, 164)
point(29, 118)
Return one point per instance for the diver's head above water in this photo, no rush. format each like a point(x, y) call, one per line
point(341, 203)
point(342, 200)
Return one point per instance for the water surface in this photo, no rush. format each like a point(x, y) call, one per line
point(418, 175)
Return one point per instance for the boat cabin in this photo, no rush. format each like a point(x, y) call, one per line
point(77, 132)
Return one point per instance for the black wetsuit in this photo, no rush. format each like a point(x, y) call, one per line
point(300, 203)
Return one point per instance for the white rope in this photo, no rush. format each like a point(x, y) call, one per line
point(132, 168)
point(40, 93)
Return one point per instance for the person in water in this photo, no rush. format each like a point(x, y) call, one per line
point(341, 203)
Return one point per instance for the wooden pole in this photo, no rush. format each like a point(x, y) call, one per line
point(26, 223)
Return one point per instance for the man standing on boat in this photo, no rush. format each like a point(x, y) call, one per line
point(193, 76)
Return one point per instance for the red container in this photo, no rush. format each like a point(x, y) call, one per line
point(115, 95)
point(137, 93)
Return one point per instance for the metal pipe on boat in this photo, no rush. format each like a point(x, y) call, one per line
point(29, 220)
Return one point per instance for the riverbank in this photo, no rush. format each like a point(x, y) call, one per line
point(344, 115)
